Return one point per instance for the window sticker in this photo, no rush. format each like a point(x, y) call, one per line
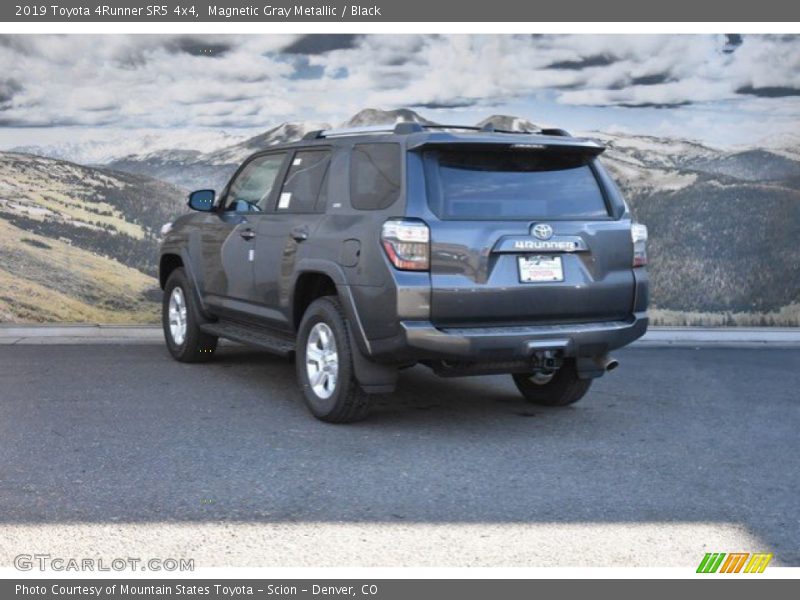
point(297, 161)
point(286, 198)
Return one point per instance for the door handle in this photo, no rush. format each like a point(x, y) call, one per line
point(248, 234)
point(300, 234)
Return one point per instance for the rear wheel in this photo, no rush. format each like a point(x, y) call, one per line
point(560, 388)
point(324, 365)
point(180, 320)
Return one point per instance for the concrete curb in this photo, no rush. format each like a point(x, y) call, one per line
point(12, 334)
point(735, 337)
point(656, 337)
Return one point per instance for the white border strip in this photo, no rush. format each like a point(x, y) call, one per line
point(377, 573)
point(258, 27)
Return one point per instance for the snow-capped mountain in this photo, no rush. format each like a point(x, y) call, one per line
point(374, 116)
point(193, 169)
point(786, 144)
point(646, 161)
point(85, 148)
point(509, 123)
point(285, 132)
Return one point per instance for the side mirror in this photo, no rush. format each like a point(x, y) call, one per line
point(202, 200)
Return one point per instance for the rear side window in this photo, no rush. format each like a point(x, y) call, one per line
point(304, 182)
point(374, 176)
point(481, 184)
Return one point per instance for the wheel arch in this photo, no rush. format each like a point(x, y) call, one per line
point(308, 286)
point(335, 274)
point(166, 265)
point(176, 258)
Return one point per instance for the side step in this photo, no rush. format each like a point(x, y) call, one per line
point(252, 335)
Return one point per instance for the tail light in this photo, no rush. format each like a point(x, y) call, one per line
point(639, 238)
point(407, 244)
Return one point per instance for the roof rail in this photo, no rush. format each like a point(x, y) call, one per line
point(313, 135)
point(408, 127)
point(402, 128)
point(555, 131)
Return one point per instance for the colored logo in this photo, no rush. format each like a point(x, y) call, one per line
point(734, 562)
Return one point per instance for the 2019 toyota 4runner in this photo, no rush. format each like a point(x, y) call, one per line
point(364, 251)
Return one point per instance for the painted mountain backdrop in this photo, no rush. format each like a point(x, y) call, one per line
point(79, 242)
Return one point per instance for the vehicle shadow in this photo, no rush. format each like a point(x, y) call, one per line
point(108, 434)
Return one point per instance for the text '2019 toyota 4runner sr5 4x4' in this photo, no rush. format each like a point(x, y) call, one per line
point(364, 251)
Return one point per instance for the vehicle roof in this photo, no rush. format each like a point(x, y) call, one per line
point(414, 136)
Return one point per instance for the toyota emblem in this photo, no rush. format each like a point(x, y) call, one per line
point(543, 231)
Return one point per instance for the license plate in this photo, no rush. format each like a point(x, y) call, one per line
point(534, 269)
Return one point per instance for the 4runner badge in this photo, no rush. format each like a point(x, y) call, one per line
point(543, 231)
point(546, 246)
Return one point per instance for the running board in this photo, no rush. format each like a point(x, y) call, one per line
point(259, 337)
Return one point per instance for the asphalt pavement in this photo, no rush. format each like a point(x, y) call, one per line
point(116, 449)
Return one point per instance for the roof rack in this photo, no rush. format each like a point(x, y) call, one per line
point(366, 129)
point(554, 131)
point(408, 127)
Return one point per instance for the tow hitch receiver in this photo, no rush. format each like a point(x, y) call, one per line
point(547, 355)
point(548, 360)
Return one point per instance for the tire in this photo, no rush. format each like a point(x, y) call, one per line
point(330, 389)
point(562, 389)
point(194, 345)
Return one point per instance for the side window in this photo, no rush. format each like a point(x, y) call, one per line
point(374, 176)
point(251, 189)
point(304, 180)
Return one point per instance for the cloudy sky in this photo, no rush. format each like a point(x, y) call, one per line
point(715, 88)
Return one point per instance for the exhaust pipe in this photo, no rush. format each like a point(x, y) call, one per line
point(606, 363)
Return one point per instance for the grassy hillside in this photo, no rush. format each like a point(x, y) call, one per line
point(722, 230)
point(79, 244)
point(721, 246)
point(44, 280)
point(786, 316)
point(104, 211)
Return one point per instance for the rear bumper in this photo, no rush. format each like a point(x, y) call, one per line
point(421, 340)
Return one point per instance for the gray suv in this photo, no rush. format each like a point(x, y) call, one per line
point(364, 251)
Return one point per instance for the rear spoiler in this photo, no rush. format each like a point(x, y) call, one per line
point(511, 142)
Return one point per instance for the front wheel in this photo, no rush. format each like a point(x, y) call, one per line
point(324, 365)
point(559, 388)
point(180, 320)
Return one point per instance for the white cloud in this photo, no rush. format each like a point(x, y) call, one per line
point(172, 81)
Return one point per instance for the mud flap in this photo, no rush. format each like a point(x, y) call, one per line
point(373, 377)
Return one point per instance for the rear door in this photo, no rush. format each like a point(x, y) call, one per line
point(524, 236)
point(287, 233)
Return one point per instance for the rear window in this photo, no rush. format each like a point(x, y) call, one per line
point(374, 176)
point(480, 184)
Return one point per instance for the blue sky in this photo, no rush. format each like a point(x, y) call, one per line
point(718, 89)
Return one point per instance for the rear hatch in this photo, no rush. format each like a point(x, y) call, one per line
point(524, 235)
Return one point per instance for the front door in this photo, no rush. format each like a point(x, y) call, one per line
point(229, 235)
